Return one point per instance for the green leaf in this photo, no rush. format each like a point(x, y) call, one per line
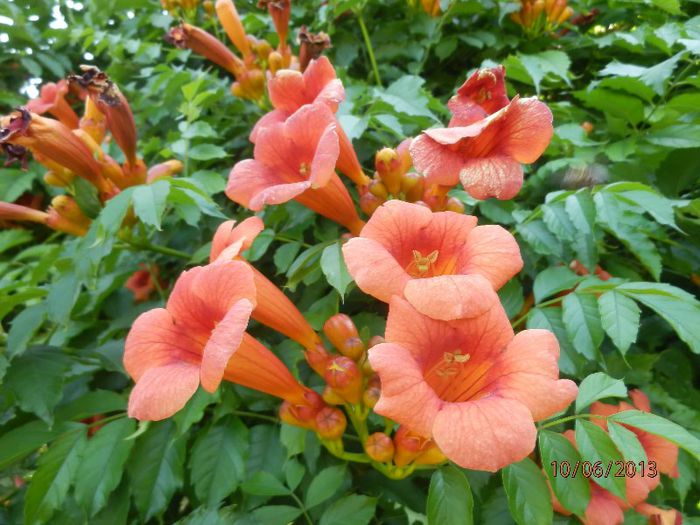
point(573, 492)
point(150, 200)
point(156, 468)
point(553, 280)
point(598, 386)
point(25, 439)
point(613, 103)
point(570, 362)
point(655, 76)
point(276, 514)
point(676, 136)
point(528, 495)
point(670, 6)
point(217, 463)
point(102, 466)
point(350, 510)
point(90, 404)
point(36, 378)
point(62, 296)
point(11, 238)
point(539, 65)
point(207, 152)
point(582, 323)
point(265, 484)
point(54, 474)
point(581, 210)
point(284, 256)
point(659, 426)
point(627, 443)
point(595, 445)
point(333, 266)
point(86, 197)
point(511, 297)
point(450, 500)
point(324, 485)
point(24, 327)
point(680, 309)
point(619, 316)
point(536, 234)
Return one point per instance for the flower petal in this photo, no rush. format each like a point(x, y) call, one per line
point(493, 252)
point(450, 297)
point(321, 84)
point(602, 508)
point(374, 269)
point(486, 434)
point(495, 176)
point(253, 185)
point(286, 90)
point(405, 396)
point(527, 372)
point(229, 234)
point(155, 340)
point(433, 160)
point(163, 390)
point(271, 118)
point(526, 130)
point(224, 341)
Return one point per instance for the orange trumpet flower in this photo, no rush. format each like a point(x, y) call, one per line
point(442, 263)
point(111, 102)
point(485, 153)
point(279, 10)
point(186, 36)
point(52, 99)
point(296, 160)
point(228, 16)
point(55, 141)
point(289, 90)
point(470, 385)
point(273, 308)
point(199, 337)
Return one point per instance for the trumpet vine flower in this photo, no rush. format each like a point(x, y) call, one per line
point(485, 154)
point(199, 338)
point(442, 263)
point(295, 159)
point(470, 385)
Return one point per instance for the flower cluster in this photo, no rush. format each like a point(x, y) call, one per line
point(450, 376)
point(257, 57)
point(605, 508)
point(70, 146)
point(537, 17)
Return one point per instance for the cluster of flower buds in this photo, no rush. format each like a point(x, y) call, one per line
point(432, 7)
point(538, 17)
point(405, 451)
point(257, 56)
point(394, 179)
point(69, 146)
point(172, 6)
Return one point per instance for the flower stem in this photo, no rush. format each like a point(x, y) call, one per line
point(302, 508)
point(570, 418)
point(370, 49)
point(156, 248)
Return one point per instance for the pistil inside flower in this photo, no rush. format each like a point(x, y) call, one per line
point(421, 265)
point(455, 377)
point(304, 170)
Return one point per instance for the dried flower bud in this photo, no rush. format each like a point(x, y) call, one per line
point(311, 46)
point(379, 447)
